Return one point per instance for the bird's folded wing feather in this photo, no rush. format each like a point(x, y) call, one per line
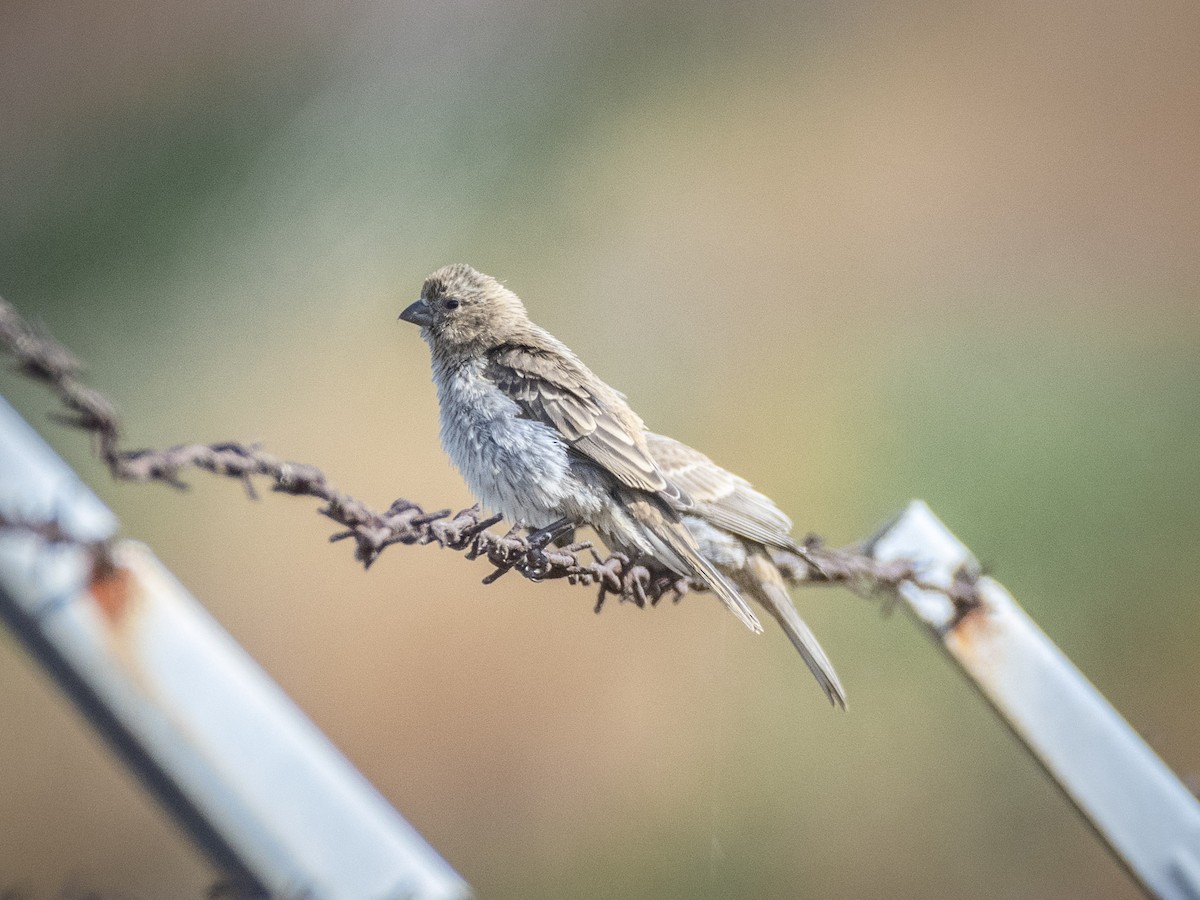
point(719, 496)
point(591, 417)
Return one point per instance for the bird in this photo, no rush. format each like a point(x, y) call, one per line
point(741, 531)
point(541, 439)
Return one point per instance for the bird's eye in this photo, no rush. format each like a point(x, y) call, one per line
point(451, 304)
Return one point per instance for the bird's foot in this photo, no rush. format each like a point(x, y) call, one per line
point(538, 540)
point(538, 562)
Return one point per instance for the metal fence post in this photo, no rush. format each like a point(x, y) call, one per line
point(259, 787)
point(1147, 816)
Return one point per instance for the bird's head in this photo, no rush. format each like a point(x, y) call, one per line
point(461, 310)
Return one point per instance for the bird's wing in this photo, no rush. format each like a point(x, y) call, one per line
point(591, 417)
point(719, 496)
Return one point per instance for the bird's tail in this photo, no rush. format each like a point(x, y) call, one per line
point(674, 546)
point(767, 587)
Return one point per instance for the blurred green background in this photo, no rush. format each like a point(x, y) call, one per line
point(857, 252)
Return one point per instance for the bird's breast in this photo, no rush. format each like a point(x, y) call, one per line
point(514, 465)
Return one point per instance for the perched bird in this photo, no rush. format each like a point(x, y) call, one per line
point(540, 439)
point(739, 530)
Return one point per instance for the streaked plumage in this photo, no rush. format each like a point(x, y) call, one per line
point(540, 438)
point(737, 529)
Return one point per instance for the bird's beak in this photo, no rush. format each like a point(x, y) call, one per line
point(418, 313)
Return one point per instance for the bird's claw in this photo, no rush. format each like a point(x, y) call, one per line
point(538, 540)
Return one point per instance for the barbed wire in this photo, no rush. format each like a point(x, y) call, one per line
point(40, 357)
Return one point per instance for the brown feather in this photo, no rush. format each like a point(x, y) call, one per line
point(719, 496)
point(765, 584)
point(592, 418)
point(677, 548)
point(737, 524)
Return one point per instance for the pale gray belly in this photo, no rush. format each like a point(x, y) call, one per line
point(517, 467)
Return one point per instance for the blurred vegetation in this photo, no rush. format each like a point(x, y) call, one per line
point(856, 252)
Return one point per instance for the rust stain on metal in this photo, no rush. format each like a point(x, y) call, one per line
point(122, 602)
point(112, 587)
point(972, 639)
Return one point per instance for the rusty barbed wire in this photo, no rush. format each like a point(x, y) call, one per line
point(50, 531)
point(40, 357)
